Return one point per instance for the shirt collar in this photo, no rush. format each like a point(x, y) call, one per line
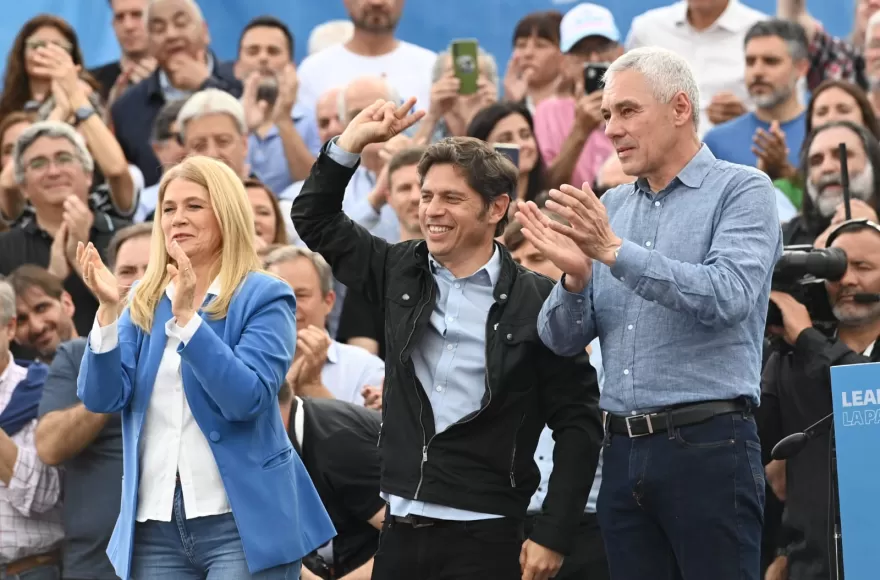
point(692, 174)
point(491, 269)
point(333, 352)
point(213, 289)
point(9, 371)
point(729, 20)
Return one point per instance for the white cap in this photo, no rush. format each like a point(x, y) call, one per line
point(586, 20)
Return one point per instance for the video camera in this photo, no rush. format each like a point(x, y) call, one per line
point(802, 272)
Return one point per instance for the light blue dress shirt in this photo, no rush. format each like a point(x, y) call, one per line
point(266, 154)
point(450, 363)
point(681, 314)
point(544, 451)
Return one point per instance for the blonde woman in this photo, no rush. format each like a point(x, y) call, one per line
point(212, 488)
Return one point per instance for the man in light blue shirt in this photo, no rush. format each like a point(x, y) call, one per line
point(672, 274)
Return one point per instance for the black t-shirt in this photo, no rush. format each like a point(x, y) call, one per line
point(361, 319)
point(92, 479)
point(339, 450)
point(28, 244)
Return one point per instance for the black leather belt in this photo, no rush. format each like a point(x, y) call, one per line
point(661, 421)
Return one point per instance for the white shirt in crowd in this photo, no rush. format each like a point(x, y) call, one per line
point(407, 68)
point(171, 440)
point(349, 369)
point(716, 55)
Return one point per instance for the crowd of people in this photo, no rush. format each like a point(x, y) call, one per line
point(383, 347)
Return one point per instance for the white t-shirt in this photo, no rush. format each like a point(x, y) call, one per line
point(407, 68)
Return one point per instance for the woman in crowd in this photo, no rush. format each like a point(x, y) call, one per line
point(27, 84)
point(509, 122)
point(212, 487)
point(11, 200)
point(269, 224)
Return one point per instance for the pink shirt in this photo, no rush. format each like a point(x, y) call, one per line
point(554, 118)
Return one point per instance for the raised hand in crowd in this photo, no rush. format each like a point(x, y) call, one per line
point(133, 72)
point(772, 152)
point(372, 395)
point(79, 219)
point(558, 248)
point(187, 72)
point(288, 85)
point(378, 197)
point(444, 95)
point(255, 110)
point(59, 264)
point(378, 123)
point(723, 107)
point(588, 112)
point(516, 80)
point(304, 376)
point(100, 281)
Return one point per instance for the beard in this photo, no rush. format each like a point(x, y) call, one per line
point(861, 187)
point(375, 21)
point(856, 314)
point(774, 99)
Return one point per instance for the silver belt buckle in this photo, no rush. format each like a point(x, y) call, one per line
point(647, 418)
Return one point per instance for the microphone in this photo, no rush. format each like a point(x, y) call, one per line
point(866, 298)
point(793, 444)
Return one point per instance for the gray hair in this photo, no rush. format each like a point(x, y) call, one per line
point(791, 33)
point(211, 102)
point(290, 253)
point(7, 302)
point(486, 63)
point(873, 21)
point(53, 130)
point(666, 72)
point(342, 108)
point(330, 34)
point(191, 4)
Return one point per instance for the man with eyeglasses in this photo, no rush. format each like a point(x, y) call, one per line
point(54, 169)
point(168, 147)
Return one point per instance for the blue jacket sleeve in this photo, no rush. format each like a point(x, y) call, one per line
point(243, 379)
point(106, 380)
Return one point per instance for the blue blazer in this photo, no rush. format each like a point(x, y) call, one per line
point(232, 370)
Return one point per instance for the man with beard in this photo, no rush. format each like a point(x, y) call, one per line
point(372, 51)
point(820, 172)
point(770, 136)
point(44, 311)
point(284, 140)
point(796, 391)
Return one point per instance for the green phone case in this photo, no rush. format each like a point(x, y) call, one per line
point(464, 63)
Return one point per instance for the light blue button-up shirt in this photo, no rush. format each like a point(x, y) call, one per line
point(544, 451)
point(681, 314)
point(450, 363)
point(266, 154)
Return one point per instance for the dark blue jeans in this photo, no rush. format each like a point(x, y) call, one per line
point(686, 504)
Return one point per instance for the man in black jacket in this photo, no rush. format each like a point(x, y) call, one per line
point(469, 386)
point(796, 392)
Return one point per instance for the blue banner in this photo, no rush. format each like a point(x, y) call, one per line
point(429, 24)
point(856, 394)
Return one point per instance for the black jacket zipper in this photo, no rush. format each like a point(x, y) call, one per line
point(513, 453)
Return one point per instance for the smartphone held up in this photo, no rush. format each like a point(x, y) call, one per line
point(464, 64)
point(594, 76)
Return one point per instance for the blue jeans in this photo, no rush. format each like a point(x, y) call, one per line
point(206, 548)
point(38, 573)
point(686, 504)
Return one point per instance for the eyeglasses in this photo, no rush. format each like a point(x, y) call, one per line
point(61, 160)
point(36, 43)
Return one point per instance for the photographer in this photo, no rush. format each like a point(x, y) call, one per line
point(796, 387)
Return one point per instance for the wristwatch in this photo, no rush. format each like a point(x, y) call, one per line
point(83, 113)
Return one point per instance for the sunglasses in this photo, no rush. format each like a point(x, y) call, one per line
point(36, 43)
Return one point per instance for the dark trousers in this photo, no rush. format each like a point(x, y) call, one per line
point(686, 504)
point(480, 550)
point(586, 560)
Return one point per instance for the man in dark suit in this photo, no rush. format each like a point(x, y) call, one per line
point(179, 41)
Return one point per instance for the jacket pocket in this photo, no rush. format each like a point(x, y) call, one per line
point(279, 458)
point(513, 451)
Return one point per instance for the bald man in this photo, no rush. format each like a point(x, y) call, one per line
point(178, 39)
